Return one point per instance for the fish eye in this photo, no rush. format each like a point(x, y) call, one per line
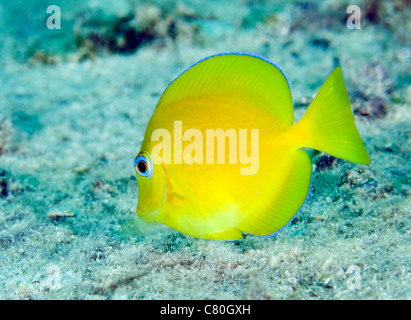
point(143, 165)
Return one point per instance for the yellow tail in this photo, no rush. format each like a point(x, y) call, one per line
point(328, 125)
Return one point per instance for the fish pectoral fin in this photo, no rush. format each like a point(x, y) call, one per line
point(229, 234)
point(172, 196)
point(287, 199)
point(174, 199)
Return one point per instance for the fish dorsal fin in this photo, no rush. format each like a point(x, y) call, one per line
point(237, 75)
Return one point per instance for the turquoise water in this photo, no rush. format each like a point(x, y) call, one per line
point(74, 104)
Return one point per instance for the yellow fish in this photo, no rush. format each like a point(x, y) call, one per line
point(222, 157)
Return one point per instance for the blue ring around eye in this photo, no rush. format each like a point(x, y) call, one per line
point(147, 160)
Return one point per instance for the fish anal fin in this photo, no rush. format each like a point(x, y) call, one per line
point(229, 234)
point(287, 199)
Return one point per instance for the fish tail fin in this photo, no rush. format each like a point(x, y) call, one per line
point(328, 125)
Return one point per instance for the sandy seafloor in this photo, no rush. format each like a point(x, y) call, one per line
point(74, 104)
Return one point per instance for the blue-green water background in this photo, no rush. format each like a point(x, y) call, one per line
point(74, 104)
